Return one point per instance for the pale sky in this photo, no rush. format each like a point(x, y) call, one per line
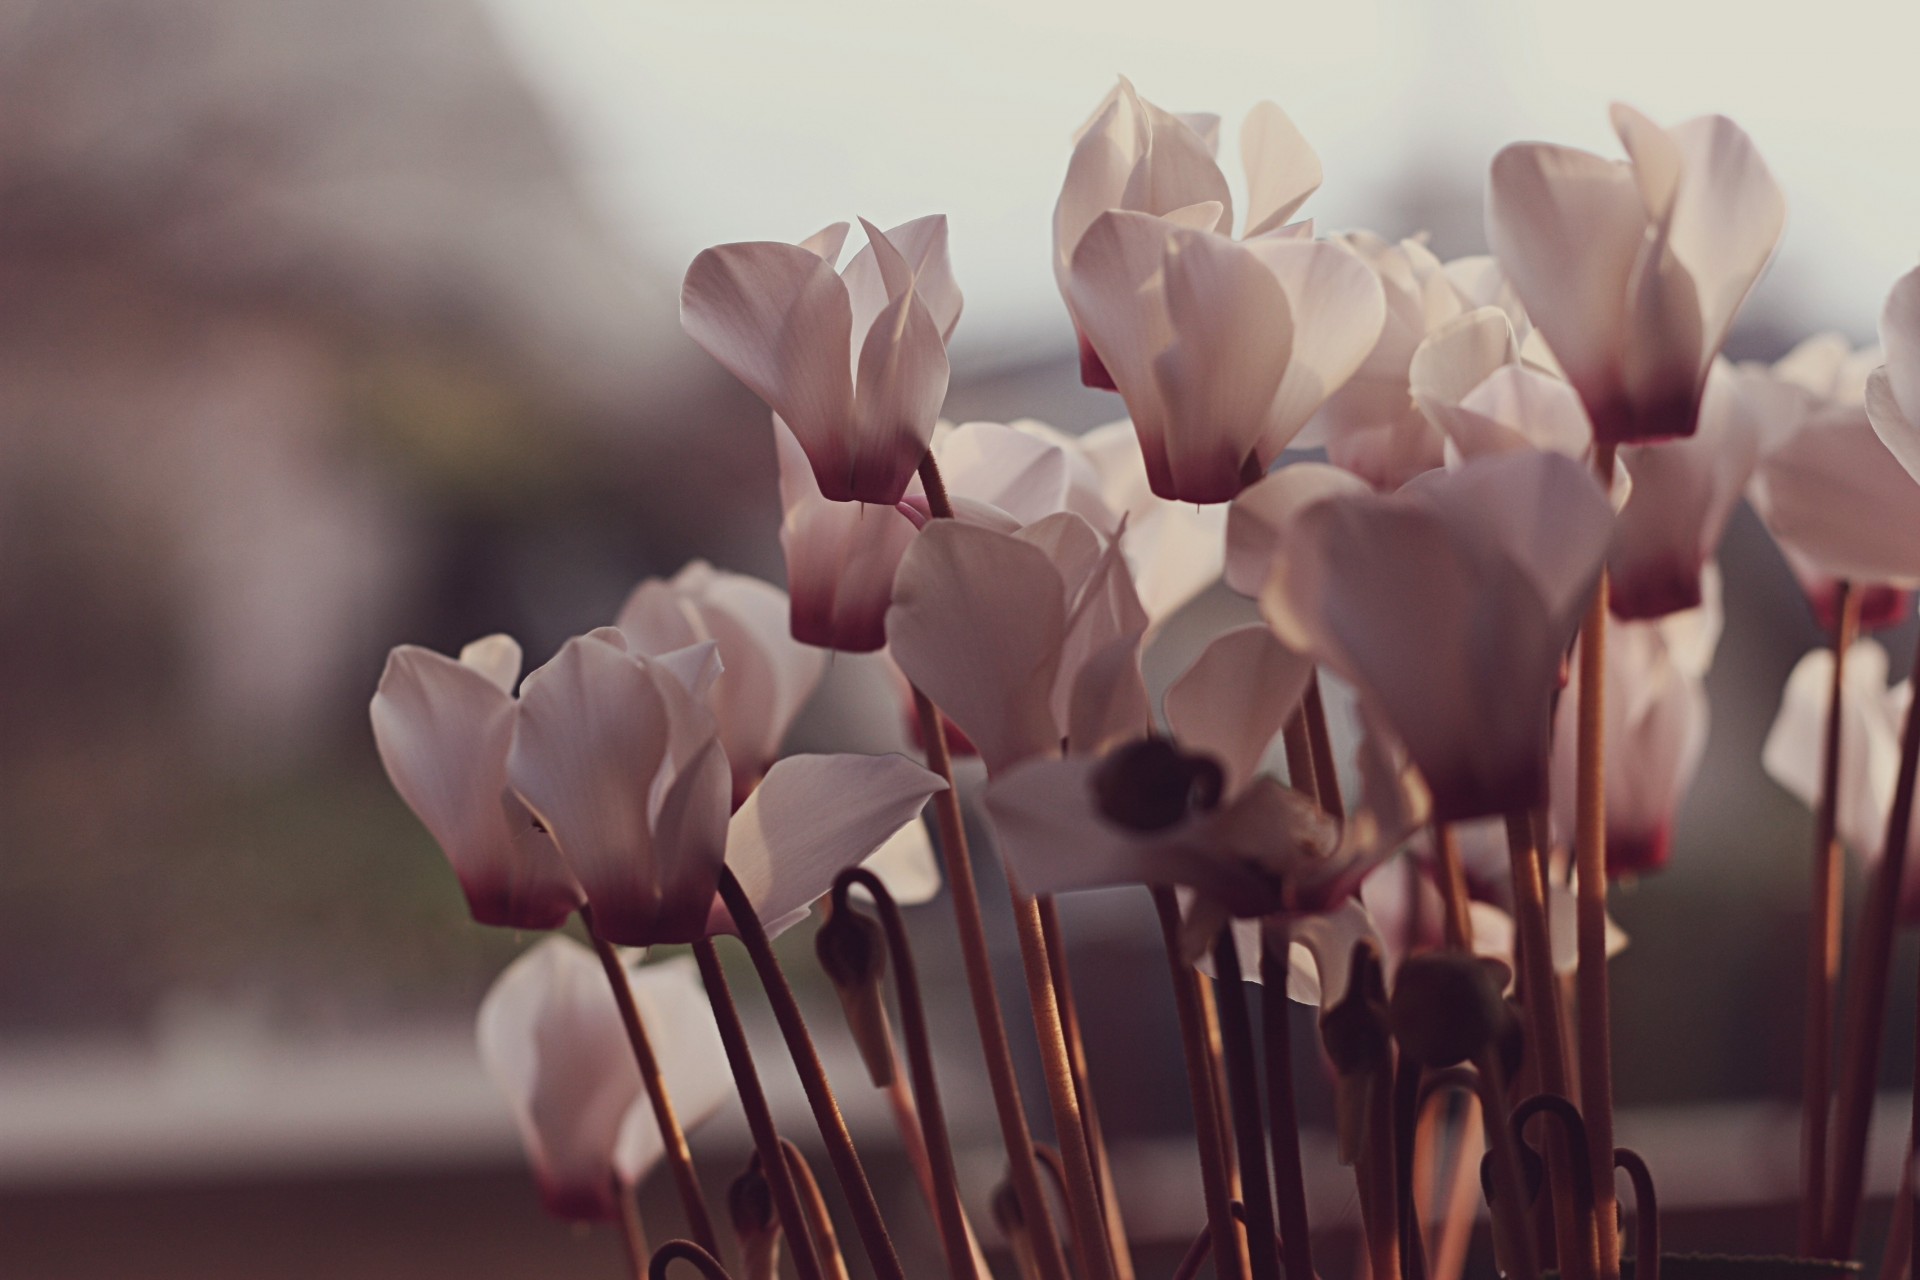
point(765, 119)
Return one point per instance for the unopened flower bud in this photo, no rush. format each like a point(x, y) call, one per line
point(1151, 784)
point(852, 949)
point(1446, 1008)
point(1354, 1030)
point(756, 1223)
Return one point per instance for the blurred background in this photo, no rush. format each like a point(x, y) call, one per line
point(327, 325)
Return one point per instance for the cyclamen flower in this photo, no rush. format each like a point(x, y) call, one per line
point(766, 676)
point(443, 729)
point(1132, 155)
point(1450, 607)
point(550, 1035)
point(1633, 270)
point(621, 759)
point(855, 363)
point(1893, 390)
point(1871, 715)
point(1470, 380)
point(1656, 732)
point(1222, 349)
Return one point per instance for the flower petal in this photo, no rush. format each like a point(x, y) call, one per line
point(1282, 169)
point(906, 864)
point(1258, 518)
point(841, 558)
point(693, 1063)
point(1835, 493)
point(1235, 697)
point(1898, 402)
point(1338, 308)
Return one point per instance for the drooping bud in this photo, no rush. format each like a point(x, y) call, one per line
point(1354, 1032)
point(852, 949)
point(756, 1223)
point(1447, 1007)
point(1151, 784)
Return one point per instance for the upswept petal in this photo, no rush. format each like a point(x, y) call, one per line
point(1176, 549)
point(809, 820)
point(497, 657)
point(977, 622)
point(1282, 168)
point(901, 383)
point(443, 729)
point(693, 1062)
point(1113, 288)
point(1257, 520)
point(827, 242)
point(1567, 227)
point(1665, 356)
point(1451, 362)
point(1890, 422)
point(1338, 309)
point(911, 255)
point(551, 1039)
point(780, 320)
point(841, 558)
point(1895, 408)
point(1836, 493)
point(1727, 219)
point(1022, 473)
point(907, 865)
point(1520, 408)
point(1236, 697)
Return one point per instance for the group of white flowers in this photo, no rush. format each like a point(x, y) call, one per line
point(1439, 563)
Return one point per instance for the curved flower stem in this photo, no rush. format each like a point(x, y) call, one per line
point(1056, 942)
point(1866, 1003)
point(1203, 1244)
point(1083, 1195)
point(1215, 1181)
point(1222, 1096)
point(1540, 995)
point(753, 1101)
point(925, 1097)
point(958, 864)
point(824, 1241)
point(1590, 852)
point(1646, 1214)
point(1823, 943)
point(1243, 1081)
point(673, 1137)
point(813, 1079)
point(1509, 1200)
point(1462, 1196)
point(685, 1251)
point(1455, 921)
point(1325, 771)
point(1283, 1120)
point(632, 1233)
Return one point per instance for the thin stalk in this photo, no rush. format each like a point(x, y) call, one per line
point(685, 1251)
point(1590, 851)
point(1646, 1214)
point(1823, 944)
point(1083, 1195)
point(1407, 1124)
point(813, 1079)
point(1509, 1206)
point(1540, 995)
point(1866, 1002)
point(1236, 1033)
point(1462, 1197)
point(1324, 769)
point(925, 1098)
point(1298, 740)
point(1056, 941)
point(679, 1158)
point(1453, 889)
point(1283, 1120)
point(911, 1128)
point(632, 1233)
point(824, 1241)
point(1203, 1244)
point(977, 960)
point(1222, 1096)
point(1377, 1181)
point(753, 1101)
point(1215, 1183)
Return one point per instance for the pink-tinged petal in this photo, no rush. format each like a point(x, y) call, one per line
point(1727, 219)
point(1567, 227)
point(693, 1063)
point(1518, 408)
point(1205, 125)
point(551, 1038)
point(1656, 157)
point(1114, 288)
point(1665, 355)
point(1016, 471)
point(977, 622)
point(1684, 492)
point(902, 382)
point(920, 247)
point(827, 242)
point(780, 320)
point(1900, 335)
point(1454, 360)
point(1320, 951)
point(907, 865)
point(1235, 697)
point(1258, 519)
point(1836, 494)
point(812, 818)
point(497, 657)
point(1880, 607)
point(1176, 549)
point(1338, 308)
point(1890, 422)
point(697, 667)
point(1217, 377)
point(1176, 170)
point(1098, 695)
point(443, 729)
point(1109, 705)
point(1282, 168)
point(841, 558)
point(599, 758)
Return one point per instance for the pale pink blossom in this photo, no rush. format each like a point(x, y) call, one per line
point(1471, 379)
point(1633, 270)
point(443, 729)
point(855, 363)
point(621, 759)
point(551, 1037)
point(1893, 391)
point(1450, 607)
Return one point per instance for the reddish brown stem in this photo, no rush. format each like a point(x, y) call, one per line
point(1456, 923)
point(1823, 944)
point(1646, 1213)
point(632, 1233)
point(685, 1251)
point(753, 1101)
point(1866, 1003)
point(1236, 1033)
point(1283, 1119)
point(813, 1079)
point(824, 1240)
point(679, 1158)
point(1324, 770)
